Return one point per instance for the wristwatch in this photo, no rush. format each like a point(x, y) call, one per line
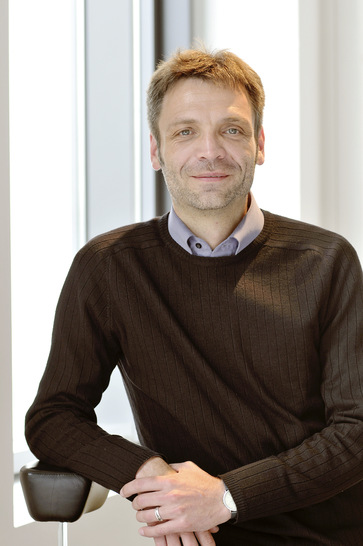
point(229, 503)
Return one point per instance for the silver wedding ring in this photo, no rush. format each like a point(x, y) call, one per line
point(157, 514)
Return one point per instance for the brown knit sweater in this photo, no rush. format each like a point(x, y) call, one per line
point(249, 365)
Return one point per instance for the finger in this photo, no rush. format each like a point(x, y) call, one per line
point(149, 516)
point(205, 538)
point(147, 500)
point(188, 539)
point(141, 485)
point(161, 541)
point(172, 540)
point(162, 529)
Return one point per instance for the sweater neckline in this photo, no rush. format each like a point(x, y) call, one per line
point(254, 246)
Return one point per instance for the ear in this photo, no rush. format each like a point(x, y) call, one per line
point(154, 155)
point(260, 158)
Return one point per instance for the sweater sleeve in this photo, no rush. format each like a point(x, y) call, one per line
point(330, 461)
point(61, 427)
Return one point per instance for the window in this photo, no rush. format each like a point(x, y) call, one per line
point(58, 50)
point(52, 213)
point(43, 174)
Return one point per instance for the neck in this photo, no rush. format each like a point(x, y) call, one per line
point(213, 226)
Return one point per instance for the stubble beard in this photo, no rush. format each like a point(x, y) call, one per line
point(213, 198)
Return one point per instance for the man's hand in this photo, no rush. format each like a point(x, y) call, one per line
point(189, 501)
point(158, 467)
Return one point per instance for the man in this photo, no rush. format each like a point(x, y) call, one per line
point(238, 333)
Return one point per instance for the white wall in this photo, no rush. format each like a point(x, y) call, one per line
point(331, 76)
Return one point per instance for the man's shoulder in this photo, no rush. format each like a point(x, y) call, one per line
point(130, 238)
point(140, 235)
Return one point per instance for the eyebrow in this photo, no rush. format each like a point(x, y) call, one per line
point(190, 121)
point(181, 121)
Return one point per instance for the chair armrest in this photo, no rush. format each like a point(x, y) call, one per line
point(57, 494)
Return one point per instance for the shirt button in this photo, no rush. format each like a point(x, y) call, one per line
point(198, 245)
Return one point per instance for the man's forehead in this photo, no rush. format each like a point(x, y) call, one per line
point(185, 83)
point(192, 96)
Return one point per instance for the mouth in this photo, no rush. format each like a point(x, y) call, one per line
point(213, 177)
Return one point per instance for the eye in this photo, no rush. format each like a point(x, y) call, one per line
point(185, 132)
point(233, 131)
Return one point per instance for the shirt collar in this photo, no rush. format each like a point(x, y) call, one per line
point(247, 230)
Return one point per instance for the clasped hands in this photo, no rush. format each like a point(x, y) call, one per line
point(189, 501)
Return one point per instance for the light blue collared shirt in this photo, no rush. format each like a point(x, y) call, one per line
point(247, 230)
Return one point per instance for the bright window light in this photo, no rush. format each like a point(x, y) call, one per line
point(43, 172)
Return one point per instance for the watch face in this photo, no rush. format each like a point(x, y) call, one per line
point(229, 502)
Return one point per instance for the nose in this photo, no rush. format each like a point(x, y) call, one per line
point(210, 147)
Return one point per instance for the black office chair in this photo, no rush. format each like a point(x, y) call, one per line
point(57, 494)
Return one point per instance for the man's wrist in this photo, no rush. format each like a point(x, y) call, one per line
point(155, 466)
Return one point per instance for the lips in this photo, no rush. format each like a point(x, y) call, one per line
point(210, 176)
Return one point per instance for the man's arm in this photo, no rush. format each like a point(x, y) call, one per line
point(61, 426)
point(330, 461)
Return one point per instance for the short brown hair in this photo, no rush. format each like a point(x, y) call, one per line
point(220, 67)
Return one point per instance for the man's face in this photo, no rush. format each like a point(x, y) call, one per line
point(207, 149)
